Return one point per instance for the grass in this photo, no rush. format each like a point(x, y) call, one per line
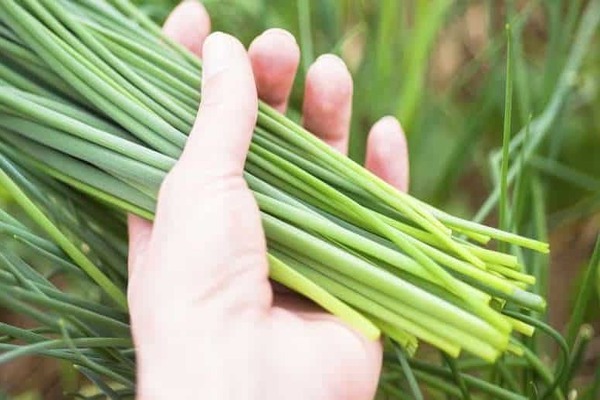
point(450, 135)
point(504, 207)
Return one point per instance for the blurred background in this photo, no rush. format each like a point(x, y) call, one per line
point(440, 67)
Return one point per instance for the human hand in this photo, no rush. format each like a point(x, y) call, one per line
point(204, 318)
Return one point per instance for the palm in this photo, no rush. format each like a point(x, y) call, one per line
point(330, 360)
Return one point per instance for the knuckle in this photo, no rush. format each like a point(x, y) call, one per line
point(174, 181)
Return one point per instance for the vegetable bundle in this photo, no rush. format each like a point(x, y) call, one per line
point(91, 94)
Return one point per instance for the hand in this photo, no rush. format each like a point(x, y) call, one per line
point(204, 318)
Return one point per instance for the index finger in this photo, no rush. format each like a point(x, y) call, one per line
point(189, 25)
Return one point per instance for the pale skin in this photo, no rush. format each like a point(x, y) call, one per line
point(205, 319)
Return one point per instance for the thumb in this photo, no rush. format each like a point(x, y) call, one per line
point(207, 236)
point(206, 258)
point(229, 107)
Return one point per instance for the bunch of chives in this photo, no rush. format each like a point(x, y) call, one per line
point(95, 337)
point(92, 95)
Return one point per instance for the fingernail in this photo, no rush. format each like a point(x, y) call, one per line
point(217, 52)
point(390, 123)
point(280, 32)
point(332, 58)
